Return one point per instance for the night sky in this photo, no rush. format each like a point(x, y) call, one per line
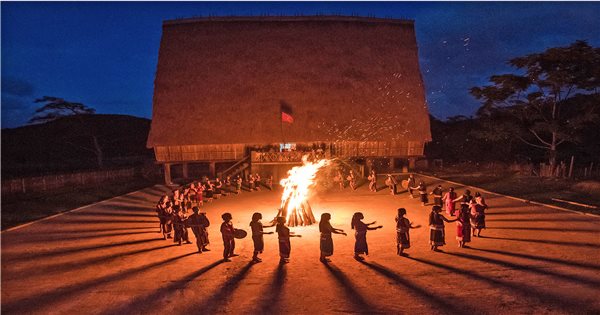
point(104, 54)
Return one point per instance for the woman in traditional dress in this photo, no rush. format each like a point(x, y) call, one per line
point(448, 199)
point(257, 235)
point(176, 198)
point(227, 232)
point(465, 199)
point(251, 182)
point(411, 182)
point(403, 227)
point(422, 188)
point(352, 180)
point(210, 191)
point(437, 195)
point(372, 181)
point(463, 226)
point(238, 185)
point(257, 182)
point(199, 194)
point(437, 236)
point(270, 182)
point(283, 235)
point(391, 182)
point(160, 209)
point(479, 199)
point(199, 224)
point(361, 228)
point(326, 243)
point(179, 221)
point(339, 180)
point(477, 217)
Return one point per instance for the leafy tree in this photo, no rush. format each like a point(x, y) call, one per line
point(548, 102)
point(56, 107)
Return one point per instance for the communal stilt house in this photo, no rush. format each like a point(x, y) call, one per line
point(255, 93)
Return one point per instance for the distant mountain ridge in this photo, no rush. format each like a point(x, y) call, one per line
point(65, 144)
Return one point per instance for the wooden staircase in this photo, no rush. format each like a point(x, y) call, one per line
point(236, 168)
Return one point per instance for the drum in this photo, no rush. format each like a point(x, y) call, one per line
point(239, 233)
point(404, 184)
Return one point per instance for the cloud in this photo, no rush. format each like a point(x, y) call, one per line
point(16, 87)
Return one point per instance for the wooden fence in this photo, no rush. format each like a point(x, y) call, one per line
point(49, 183)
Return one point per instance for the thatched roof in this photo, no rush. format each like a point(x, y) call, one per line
point(221, 81)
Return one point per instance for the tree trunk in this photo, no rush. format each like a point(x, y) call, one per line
point(98, 152)
point(553, 154)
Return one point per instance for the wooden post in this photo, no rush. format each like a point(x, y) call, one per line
point(167, 168)
point(211, 169)
point(571, 167)
point(186, 173)
point(392, 164)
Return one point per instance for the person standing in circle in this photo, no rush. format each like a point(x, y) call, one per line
point(326, 243)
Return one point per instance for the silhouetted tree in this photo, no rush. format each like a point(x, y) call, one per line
point(56, 107)
point(549, 103)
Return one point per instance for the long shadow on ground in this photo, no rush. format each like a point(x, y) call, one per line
point(441, 304)
point(520, 289)
point(34, 302)
point(360, 303)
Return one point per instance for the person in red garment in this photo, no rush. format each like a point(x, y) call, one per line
point(227, 231)
point(463, 226)
point(449, 202)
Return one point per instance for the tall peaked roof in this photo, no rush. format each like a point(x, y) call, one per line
point(223, 80)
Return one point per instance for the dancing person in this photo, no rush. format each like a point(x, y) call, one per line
point(352, 180)
point(391, 182)
point(449, 202)
point(326, 243)
point(477, 217)
point(463, 226)
point(199, 224)
point(361, 228)
point(283, 235)
point(437, 235)
point(465, 199)
point(372, 181)
point(422, 188)
point(480, 200)
point(411, 183)
point(270, 182)
point(251, 182)
point(227, 232)
point(437, 195)
point(257, 235)
point(210, 191)
point(403, 227)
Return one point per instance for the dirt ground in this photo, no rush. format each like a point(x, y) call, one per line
point(110, 259)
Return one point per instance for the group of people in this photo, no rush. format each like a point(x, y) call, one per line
point(180, 210)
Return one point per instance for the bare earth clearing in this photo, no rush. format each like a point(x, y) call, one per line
point(110, 259)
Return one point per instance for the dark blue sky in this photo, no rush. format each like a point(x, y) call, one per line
point(104, 54)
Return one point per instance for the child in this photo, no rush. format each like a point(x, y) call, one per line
point(257, 235)
point(463, 226)
point(437, 235)
point(326, 243)
point(284, 234)
point(227, 231)
point(403, 227)
point(360, 246)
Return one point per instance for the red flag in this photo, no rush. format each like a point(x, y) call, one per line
point(286, 112)
point(285, 117)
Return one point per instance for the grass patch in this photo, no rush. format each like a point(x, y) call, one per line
point(28, 208)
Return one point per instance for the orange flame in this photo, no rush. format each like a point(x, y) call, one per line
point(296, 188)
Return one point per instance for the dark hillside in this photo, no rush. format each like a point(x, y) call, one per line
point(65, 144)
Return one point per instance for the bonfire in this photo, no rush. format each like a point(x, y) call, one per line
point(296, 188)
